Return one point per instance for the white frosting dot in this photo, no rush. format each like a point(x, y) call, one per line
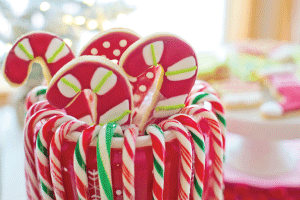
point(115, 61)
point(106, 44)
point(116, 52)
point(118, 192)
point(103, 56)
point(123, 43)
point(65, 169)
point(142, 88)
point(132, 79)
point(94, 51)
point(150, 75)
point(136, 97)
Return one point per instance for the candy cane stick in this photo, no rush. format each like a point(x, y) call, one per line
point(199, 145)
point(128, 157)
point(30, 134)
point(103, 159)
point(184, 138)
point(55, 154)
point(159, 151)
point(218, 108)
point(42, 153)
point(36, 94)
point(36, 107)
point(198, 113)
point(202, 86)
point(80, 154)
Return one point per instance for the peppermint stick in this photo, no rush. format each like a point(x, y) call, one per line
point(198, 113)
point(32, 183)
point(202, 86)
point(128, 157)
point(56, 154)
point(184, 138)
point(159, 151)
point(36, 107)
point(42, 154)
point(35, 95)
point(199, 145)
point(103, 158)
point(81, 149)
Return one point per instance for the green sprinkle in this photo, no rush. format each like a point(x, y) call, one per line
point(71, 85)
point(199, 97)
point(22, 47)
point(41, 92)
point(170, 73)
point(153, 55)
point(126, 112)
point(50, 60)
point(174, 107)
point(104, 79)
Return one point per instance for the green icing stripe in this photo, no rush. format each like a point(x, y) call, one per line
point(199, 142)
point(197, 98)
point(23, 48)
point(158, 168)
point(41, 92)
point(41, 146)
point(104, 79)
point(47, 190)
point(198, 188)
point(221, 119)
point(153, 55)
point(50, 60)
point(170, 73)
point(79, 157)
point(127, 112)
point(173, 107)
point(71, 85)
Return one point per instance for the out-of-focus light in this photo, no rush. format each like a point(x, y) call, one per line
point(45, 6)
point(38, 20)
point(68, 41)
point(5, 25)
point(67, 19)
point(79, 20)
point(107, 25)
point(89, 2)
point(8, 47)
point(92, 24)
point(2, 48)
point(71, 8)
point(121, 17)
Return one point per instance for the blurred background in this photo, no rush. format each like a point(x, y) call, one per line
point(262, 33)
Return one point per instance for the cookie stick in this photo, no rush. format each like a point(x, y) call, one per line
point(112, 90)
point(42, 153)
point(179, 63)
point(184, 138)
point(55, 154)
point(198, 113)
point(199, 145)
point(30, 135)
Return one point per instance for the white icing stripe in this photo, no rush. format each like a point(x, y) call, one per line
point(65, 89)
point(105, 84)
point(184, 64)
point(53, 47)
point(158, 49)
point(20, 53)
point(116, 112)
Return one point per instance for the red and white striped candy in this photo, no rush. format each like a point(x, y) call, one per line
point(110, 43)
point(128, 157)
point(36, 94)
point(198, 113)
point(42, 153)
point(30, 134)
point(110, 85)
point(202, 86)
point(179, 63)
point(184, 138)
point(36, 107)
point(55, 154)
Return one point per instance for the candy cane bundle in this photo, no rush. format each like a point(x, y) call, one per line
point(118, 130)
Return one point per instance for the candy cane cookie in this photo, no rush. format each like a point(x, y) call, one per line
point(179, 64)
point(30, 135)
point(110, 86)
point(110, 43)
point(50, 51)
point(42, 153)
point(198, 113)
point(184, 138)
point(199, 145)
point(65, 129)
